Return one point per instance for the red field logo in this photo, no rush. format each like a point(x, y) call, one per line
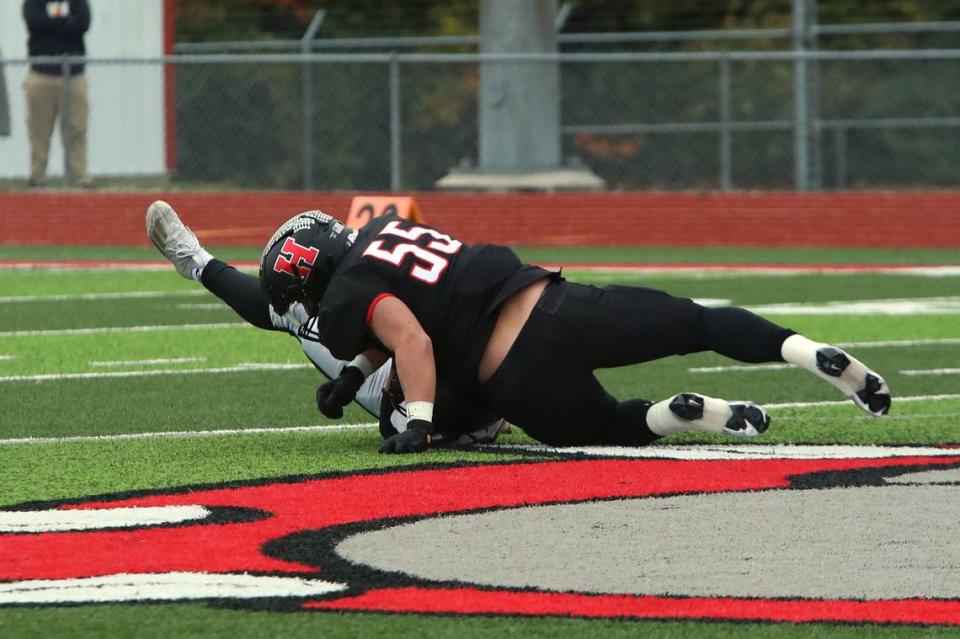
point(274, 543)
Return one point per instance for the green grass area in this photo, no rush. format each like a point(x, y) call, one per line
point(38, 337)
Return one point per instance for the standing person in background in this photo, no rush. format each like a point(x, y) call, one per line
point(57, 29)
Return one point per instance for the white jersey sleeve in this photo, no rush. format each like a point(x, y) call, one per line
point(369, 394)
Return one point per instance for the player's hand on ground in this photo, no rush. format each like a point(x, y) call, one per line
point(332, 396)
point(415, 439)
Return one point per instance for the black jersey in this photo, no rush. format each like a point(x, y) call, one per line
point(454, 290)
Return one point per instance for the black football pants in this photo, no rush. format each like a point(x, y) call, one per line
point(546, 384)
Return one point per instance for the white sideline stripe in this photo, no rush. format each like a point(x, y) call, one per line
point(7, 358)
point(161, 586)
point(67, 266)
point(34, 521)
point(123, 329)
point(899, 306)
point(190, 434)
point(932, 371)
point(201, 306)
point(900, 342)
point(846, 402)
point(765, 269)
point(12, 299)
point(148, 362)
point(749, 451)
point(239, 368)
point(749, 269)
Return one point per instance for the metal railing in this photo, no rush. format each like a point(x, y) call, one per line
point(399, 43)
point(672, 120)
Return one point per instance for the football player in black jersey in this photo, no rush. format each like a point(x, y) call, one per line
point(376, 389)
point(519, 339)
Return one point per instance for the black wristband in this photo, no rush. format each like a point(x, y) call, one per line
point(353, 375)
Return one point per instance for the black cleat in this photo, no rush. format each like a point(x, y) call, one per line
point(687, 406)
point(832, 361)
point(748, 420)
point(874, 397)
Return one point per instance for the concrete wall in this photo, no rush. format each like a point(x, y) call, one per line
point(126, 133)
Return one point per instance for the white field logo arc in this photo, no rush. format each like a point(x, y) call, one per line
point(603, 537)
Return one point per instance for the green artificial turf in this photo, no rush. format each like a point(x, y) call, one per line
point(36, 340)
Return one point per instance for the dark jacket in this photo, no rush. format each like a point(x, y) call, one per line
point(53, 35)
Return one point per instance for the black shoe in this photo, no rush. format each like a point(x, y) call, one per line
point(874, 397)
point(832, 361)
point(747, 420)
point(874, 394)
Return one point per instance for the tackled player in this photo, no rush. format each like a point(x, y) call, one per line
point(515, 337)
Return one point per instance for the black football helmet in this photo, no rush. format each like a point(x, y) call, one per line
point(300, 257)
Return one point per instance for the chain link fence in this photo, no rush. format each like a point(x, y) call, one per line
point(668, 121)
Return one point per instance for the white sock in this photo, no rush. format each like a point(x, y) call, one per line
point(202, 258)
point(662, 421)
point(802, 352)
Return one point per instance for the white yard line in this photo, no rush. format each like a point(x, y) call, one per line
point(932, 371)
point(7, 358)
point(187, 434)
point(742, 368)
point(239, 368)
point(147, 362)
point(14, 299)
point(123, 329)
point(202, 306)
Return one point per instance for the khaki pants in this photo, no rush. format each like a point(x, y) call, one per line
point(47, 100)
